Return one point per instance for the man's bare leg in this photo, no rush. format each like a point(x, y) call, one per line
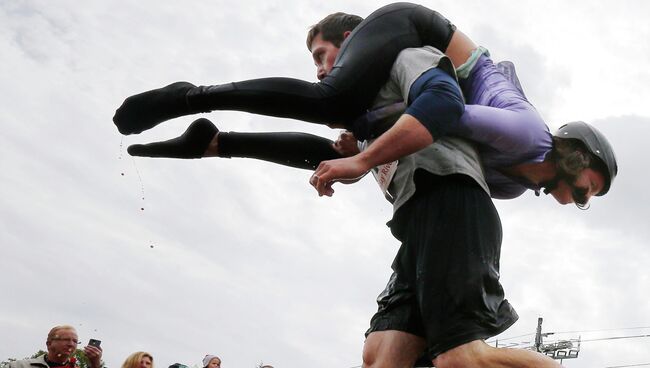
point(480, 355)
point(392, 349)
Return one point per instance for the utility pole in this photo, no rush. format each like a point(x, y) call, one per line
point(538, 335)
point(560, 350)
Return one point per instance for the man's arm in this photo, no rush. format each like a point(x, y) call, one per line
point(407, 136)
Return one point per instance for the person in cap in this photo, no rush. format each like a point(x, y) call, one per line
point(211, 361)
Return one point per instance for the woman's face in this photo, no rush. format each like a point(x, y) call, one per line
point(589, 183)
point(145, 362)
point(215, 363)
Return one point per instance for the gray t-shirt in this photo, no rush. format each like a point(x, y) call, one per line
point(446, 156)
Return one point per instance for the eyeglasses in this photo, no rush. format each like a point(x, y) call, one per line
point(66, 339)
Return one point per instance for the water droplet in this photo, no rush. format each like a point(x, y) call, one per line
point(139, 178)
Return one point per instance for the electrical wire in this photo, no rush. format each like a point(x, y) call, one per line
point(510, 338)
point(605, 329)
point(614, 338)
point(566, 332)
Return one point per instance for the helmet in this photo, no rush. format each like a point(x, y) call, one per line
point(597, 145)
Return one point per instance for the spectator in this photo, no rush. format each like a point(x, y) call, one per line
point(138, 359)
point(211, 361)
point(61, 345)
point(178, 365)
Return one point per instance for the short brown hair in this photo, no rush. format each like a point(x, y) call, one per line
point(332, 27)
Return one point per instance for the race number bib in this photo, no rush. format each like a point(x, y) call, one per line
point(384, 174)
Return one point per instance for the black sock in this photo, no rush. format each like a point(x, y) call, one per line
point(191, 144)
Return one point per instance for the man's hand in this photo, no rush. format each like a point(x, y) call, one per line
point(329, 172)
point(408, 135)
point(94, 355)
point(346, 144)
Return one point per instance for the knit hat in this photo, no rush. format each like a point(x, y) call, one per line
point(208, 358)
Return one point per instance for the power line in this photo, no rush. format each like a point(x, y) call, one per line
point(625, 366)
point(615, 338)
point(567, 332)
point(605, 329)
point(510, 338)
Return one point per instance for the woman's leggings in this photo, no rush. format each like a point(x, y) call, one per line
point(299, 150)
point(362, 66)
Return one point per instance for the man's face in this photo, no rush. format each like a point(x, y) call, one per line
point(62, 345)
point(324, 53)
point(587, 184)
point(145, 362)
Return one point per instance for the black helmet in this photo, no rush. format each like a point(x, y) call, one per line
point(597, 145)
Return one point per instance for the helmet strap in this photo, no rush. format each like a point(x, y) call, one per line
point(550, 185)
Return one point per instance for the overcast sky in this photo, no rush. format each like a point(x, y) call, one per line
point(242, 259)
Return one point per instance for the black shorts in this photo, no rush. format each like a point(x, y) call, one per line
point(445, 285)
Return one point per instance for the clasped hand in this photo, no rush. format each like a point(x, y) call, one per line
point(345, 170)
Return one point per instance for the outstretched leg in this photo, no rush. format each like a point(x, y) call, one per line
point(203, 139)
point(362, 66)
point(191, 144)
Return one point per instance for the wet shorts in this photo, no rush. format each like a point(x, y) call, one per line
point(445, 285)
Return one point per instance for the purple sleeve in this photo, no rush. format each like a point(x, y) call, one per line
point(498, 115)
point(506, 131)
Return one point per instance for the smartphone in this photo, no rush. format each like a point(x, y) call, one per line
point(94, 343)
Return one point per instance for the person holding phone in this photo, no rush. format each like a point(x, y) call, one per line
point(62, 342)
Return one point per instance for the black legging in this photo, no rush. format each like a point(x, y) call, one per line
point(362, 67)
point(299, 150)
